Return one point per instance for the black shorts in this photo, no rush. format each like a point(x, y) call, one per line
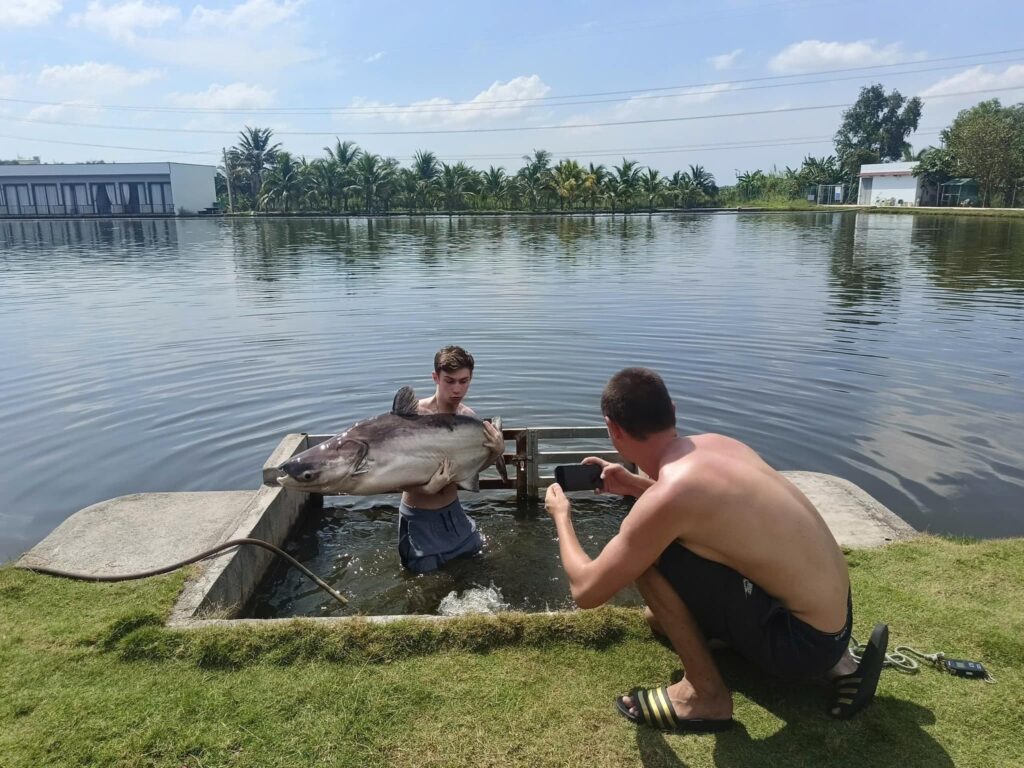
point(759, 627)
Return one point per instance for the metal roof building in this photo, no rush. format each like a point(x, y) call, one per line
point(106, 189)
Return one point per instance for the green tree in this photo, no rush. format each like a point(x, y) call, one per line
point(593, 179)
point(495, 186)
point(344, 153)
point(704, 181)
point(935, 166)
point(566, 180)
point(987, 143)
point(368, 173)
point(256, 154)
point(626, 181)
point(653, 187)
point(284, 185)
point(426, 170)
point(875, 129)
point(455, 183)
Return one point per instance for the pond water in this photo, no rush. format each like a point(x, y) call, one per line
point(167, 355)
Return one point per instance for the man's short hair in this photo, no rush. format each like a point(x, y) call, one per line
point(637, 400)
point(451, 359)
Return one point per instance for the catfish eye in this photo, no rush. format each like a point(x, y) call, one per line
point(307, 475)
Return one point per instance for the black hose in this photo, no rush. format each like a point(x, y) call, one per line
point(201, 556)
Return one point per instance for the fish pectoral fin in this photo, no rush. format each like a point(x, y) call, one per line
point(470, 483)
point(362, 469)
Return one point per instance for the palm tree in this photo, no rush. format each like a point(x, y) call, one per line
point(328, 180)
point(455, 183)
point(566, 179)
point(387, 181)
point(367, 175)
point(234, 172)
point(494, 184)
point(284, 184)
point(703, 180)
point(426, 169)
point(344, 154)
point(593, 180)
point(652, 186)
point(626, 180)
point(256, 154)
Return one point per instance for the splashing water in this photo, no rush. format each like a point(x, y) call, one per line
point(473, 600)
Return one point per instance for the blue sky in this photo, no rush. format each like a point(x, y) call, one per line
point(375, 71)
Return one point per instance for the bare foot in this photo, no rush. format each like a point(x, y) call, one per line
point(845, 666)
point(689, 704)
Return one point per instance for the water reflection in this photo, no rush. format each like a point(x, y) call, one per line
point(160, 355)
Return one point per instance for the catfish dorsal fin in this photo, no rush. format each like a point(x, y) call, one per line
point(405, 403)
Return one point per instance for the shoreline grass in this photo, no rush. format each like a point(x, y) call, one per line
point(90, 676)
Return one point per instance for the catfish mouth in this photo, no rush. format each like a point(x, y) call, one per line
point(296, 474)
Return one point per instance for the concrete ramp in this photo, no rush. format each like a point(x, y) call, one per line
point(855, 518)
point(140, 532)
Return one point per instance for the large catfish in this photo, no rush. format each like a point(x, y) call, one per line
point(400, 450)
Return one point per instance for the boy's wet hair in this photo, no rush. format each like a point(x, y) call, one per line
point(451, 358)
point(638, 401)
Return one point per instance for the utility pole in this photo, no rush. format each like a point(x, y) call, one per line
point(227, 178)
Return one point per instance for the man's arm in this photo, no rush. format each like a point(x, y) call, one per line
point(641, 539)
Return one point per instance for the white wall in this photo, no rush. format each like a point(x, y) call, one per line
point(903, 188)
point(192, 187)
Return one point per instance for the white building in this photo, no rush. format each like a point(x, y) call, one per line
point(889, 184)
point(106, 189)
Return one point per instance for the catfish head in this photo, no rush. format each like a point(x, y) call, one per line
point(332, 466)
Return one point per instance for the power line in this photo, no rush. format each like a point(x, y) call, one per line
point(111, 146)
point(658, 92)
point(511, 129)
point(740, 144)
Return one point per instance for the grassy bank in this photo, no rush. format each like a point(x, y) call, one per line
point(1006, 213)
point(91, 677)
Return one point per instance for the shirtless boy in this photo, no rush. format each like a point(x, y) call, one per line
point(434, 528)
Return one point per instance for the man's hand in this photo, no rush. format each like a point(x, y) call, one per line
point(493, 440)
point(615, 478)
point(555, 501)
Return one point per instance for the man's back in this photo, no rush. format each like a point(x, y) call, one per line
point(729, 506)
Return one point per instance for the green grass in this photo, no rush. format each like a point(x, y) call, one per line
point(1004, 213)
point(89, 676)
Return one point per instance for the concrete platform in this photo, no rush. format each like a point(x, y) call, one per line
point(141, 532)
point(856, 519)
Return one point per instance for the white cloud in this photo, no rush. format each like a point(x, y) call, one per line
point(725, 60)
point(251, 14)
point(27, 13)
point(93, 76)
point(817, 55)
point(643, 106)
point(376, 57)
point(78, 109)
point(232, 96)
point(499, 100)
point(122, 20)
point(977, 79)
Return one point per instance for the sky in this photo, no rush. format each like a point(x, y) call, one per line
point(733, 86)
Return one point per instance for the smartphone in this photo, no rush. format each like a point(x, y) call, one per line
point(579, 477)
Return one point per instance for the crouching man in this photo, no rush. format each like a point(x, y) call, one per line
point(721, 547)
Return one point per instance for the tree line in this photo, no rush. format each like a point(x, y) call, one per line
point(985, 142)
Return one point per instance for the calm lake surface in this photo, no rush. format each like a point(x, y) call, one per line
point(173, 356)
